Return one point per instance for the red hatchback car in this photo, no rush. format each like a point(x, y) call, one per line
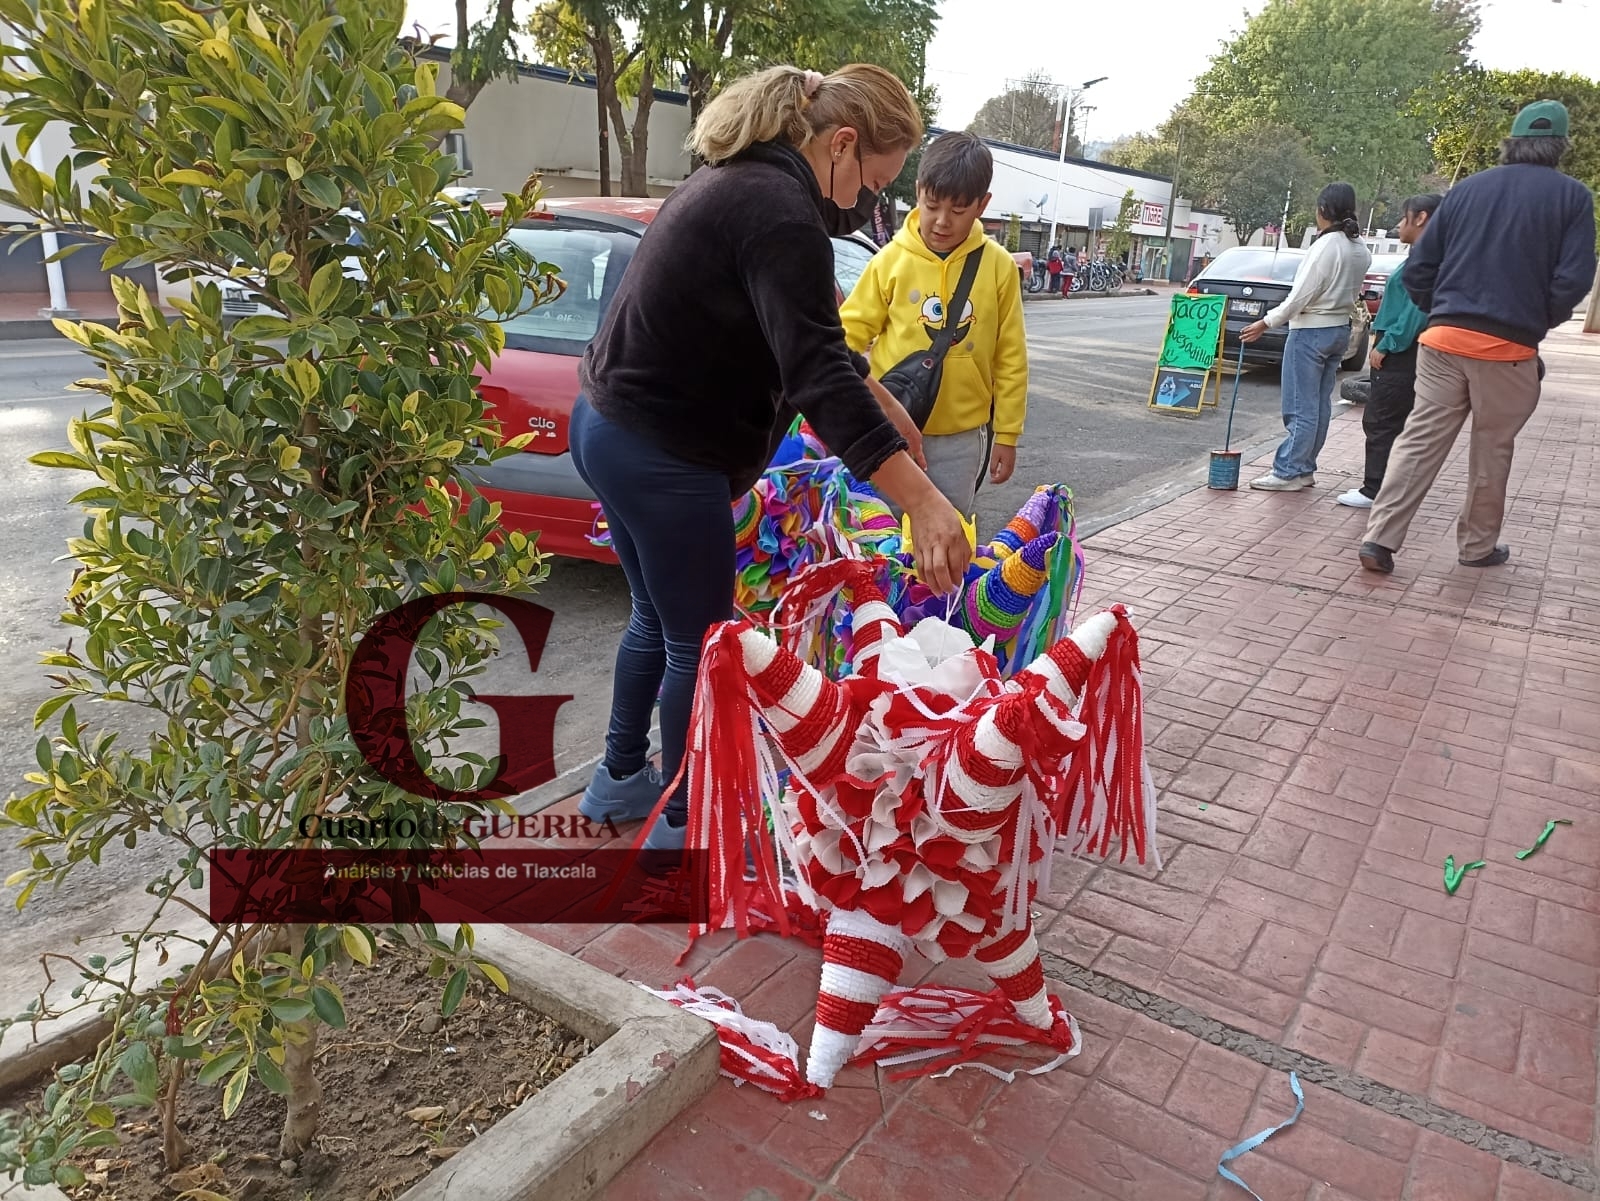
point(533, 383)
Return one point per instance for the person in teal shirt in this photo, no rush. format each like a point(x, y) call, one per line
point(1394, 362)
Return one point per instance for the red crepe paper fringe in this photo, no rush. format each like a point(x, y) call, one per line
point(1108, 794)
point(942, 1029)
point(936, 1029)
point(753, 1051)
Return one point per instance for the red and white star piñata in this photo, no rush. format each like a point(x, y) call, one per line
point(926, 796)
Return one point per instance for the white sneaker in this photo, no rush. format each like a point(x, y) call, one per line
point(1354, 499)
point(1276, 483)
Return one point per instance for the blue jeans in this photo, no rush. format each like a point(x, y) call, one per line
point(1311, 360)
point(671, 525)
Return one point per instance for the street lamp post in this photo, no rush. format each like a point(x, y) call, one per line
point(1069, 100)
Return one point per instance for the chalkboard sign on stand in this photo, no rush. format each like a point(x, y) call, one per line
point(1190, 348)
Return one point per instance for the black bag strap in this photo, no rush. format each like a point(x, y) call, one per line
point(957, 306)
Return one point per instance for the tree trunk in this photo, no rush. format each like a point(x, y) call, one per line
point(464, 90)
point(1591, 319)
point(605, 139)
point(174, 1147)
point(636, 149)
point(305, 1093)
point(606, 73)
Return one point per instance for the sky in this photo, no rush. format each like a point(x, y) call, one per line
point(1151, 57)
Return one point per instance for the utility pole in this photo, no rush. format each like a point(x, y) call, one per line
point(1373, 211)
point(1172, 200)
point(1069, 98)
point(1283, 221)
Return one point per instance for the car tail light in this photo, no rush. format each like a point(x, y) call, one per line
point(1193, 292)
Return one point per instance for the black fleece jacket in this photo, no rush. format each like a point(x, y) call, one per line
point(1509, 253)
point(726, 323)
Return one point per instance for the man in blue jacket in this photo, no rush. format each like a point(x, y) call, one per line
point(1504, 261)
point(1394, 361)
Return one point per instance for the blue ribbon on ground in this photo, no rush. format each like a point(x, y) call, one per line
point(1255, 1140)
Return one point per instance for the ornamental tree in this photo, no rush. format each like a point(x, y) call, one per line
point(253, 499)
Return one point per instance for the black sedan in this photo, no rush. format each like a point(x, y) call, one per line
point(1256, 279)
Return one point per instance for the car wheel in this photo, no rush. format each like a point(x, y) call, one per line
point(1359, 355)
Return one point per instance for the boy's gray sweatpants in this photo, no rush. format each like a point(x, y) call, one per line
point(955, 461)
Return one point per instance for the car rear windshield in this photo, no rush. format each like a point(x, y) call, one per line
point(850, 261)
point(590, 262)
point(1249, 262)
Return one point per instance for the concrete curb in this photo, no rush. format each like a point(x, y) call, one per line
point(31, 1192)
point(651, 1061)
point(28, 1054)
point(27, 330)
point(566, 1142)
point(1041, 297)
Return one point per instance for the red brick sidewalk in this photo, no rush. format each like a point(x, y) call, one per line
point(1323, 739)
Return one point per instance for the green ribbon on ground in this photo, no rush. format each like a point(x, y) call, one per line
point(1453, 874)
point(1549, 829)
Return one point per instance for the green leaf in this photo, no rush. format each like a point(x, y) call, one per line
point(234, 1092)
point(325, 285)
point(496, 976)
point(292, 1009)
point(29, 187)
point(139, 1066)
point(70, 1175)
point(102, 1116)
point(357, 945)
point(454, 991)
point(188, 178)
point(272, 1075)
point(328, 1006)
point(219, 1067)
point(223, 105)
point(324, 190)
point(60, 458)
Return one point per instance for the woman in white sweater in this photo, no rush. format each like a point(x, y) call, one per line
point(1318, 312)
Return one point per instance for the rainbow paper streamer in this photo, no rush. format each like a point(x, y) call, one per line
point(1020, 589)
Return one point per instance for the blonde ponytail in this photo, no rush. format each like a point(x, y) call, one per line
point(791, 105)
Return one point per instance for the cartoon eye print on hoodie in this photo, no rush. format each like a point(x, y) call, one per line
point(933, 319)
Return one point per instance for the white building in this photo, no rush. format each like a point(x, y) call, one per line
point(1082, 198)
point(546, 122)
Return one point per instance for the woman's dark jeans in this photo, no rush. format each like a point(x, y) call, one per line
point(671, 526)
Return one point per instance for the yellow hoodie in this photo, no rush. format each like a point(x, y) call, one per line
point(897, 308)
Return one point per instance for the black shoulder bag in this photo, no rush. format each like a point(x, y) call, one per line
point(915, 380)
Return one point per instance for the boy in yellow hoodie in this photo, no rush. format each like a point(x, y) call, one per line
point(898, 309)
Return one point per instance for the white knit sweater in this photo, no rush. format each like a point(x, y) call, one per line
point(1325, 286)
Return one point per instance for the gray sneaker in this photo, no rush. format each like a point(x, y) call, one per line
point(1276, 483)
point(662, 853)
point(628, 799)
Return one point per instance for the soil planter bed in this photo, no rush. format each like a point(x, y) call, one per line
point(540, 1095)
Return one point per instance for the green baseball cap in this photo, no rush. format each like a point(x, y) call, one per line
point(1541, 119)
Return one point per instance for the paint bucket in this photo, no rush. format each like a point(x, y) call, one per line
point(1224, 470)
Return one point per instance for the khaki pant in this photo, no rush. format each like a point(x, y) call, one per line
point(1500, 397)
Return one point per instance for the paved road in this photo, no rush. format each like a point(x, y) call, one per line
point(1088, 426)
